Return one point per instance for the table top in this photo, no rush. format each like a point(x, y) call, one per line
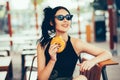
point(28, 52)
point(3, 53)
point(28, 47)
point(5, 48)
point(3, 75)
point(5, 61)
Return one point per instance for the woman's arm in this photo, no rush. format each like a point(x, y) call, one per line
point(44, 71)
point(99, 53)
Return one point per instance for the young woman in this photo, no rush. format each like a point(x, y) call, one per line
point(53, 66)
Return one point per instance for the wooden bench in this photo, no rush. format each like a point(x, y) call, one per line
point(6, 65)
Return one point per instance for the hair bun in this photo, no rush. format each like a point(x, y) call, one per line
point(48, 12)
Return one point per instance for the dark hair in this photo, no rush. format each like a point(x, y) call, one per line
point(46, 28)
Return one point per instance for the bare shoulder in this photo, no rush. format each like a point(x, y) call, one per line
point(77, 44)
point(40, 49)
point(39, 46)
point(76, 41)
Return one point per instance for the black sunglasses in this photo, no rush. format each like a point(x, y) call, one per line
point(61, 17)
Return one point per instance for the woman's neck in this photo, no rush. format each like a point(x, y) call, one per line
point(64, 36)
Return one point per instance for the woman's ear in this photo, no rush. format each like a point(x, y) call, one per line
point(51, 23)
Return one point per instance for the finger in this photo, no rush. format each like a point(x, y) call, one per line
point(86, 66)
point(53, 49)
point(78, 64)
point(89, 67)
point(53, 46)
point(83, 66)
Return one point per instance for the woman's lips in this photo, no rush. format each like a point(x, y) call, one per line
point(65, 25)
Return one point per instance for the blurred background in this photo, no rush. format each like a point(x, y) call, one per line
point(94, 21)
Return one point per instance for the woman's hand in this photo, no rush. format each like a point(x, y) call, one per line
point(86, 65)
point(53, 51)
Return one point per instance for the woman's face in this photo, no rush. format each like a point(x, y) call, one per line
point(62, 24)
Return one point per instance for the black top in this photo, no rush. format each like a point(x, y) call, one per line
point(66, 61)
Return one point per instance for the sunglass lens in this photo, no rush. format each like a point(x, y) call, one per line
point(60, 17)
point(69, 17)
